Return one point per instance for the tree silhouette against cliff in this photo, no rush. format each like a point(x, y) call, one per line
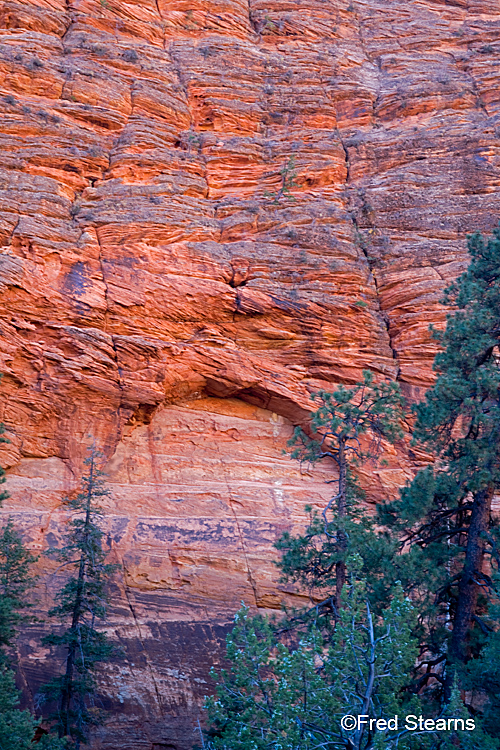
point(81, 605)
point(17, 728)
point(291, 682)
point(445, 514)
point(15, 575)
point(366, 412)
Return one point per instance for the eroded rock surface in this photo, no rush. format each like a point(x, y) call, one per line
point(209, 210)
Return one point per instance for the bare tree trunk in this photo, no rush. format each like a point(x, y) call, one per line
point(67, 692)
point(469, 583)
point(370, 682)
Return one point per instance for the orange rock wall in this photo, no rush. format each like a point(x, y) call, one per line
point(162, 293)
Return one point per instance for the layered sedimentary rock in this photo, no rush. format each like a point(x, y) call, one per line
point(210, 210)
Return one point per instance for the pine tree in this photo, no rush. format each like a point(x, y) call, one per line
point(293, 696)
point(81, 604)
point(483, 674)
point(17, 728)
point(316, 559)
point(15, 576)
point(15, 580)
point(445, 513)
point(290, 685)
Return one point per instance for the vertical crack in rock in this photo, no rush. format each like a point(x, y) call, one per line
point(113, 342)
point(351, 210)
point(243, 547)
point(133, 84)
point(360, 240)
point(14, 230)
point(177, 67)
point(159, 11)
point(361, 243)
point(251, 580)
point(467, 72)
point(361, 38)
point(141, 640)
point(21, 671)
point(75, 203)
point(117, 140)
point(250, 21)
point(162, 25)
point(71, 17)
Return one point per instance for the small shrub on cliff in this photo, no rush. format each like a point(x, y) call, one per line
point(81, 604)
point(288, 174)
point(130, 55)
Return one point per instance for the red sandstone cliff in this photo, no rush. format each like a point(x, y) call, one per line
point(154, 295)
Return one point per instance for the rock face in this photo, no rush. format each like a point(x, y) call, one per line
point(208, 211)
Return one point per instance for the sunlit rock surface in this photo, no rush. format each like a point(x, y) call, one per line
point(208, 211)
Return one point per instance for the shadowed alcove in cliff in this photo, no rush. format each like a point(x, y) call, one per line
point(200, 490)
point(209, 490)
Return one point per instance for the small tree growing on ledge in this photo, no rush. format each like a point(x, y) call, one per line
point(317, 559)
point(288, 174)
point(81, 603)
